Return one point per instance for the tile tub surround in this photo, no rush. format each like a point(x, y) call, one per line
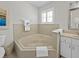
point(36, 28)
point(28, 48)
point(18, 30)
point(32, 53)
point(47, 28)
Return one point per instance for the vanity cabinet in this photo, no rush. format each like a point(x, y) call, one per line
point(75, 48)
point(69, 47)
point(65, 49)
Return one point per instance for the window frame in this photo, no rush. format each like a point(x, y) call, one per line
point(48, 10)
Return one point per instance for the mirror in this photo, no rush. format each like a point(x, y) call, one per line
point(74, 15)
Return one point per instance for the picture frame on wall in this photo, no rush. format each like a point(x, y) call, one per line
point(3, 19)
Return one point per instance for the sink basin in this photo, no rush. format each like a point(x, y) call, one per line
point(58, 31)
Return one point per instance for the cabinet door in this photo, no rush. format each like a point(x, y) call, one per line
point(75, 48)
point(62, 47)
point(65, 47)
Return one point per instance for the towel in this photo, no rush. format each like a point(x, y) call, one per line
point(41, 51)
point(27, 25)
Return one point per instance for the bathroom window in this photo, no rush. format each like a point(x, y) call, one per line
point(47, 16)
point(44, 17)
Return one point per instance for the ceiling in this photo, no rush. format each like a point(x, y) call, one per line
point(38, 3)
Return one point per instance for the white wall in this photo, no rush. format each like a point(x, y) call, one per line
point(21, 10)
point(61, 13)
point(17, 11)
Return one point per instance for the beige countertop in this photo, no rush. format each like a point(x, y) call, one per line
point(71, 35)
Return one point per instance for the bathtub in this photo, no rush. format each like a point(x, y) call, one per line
point(26, 46)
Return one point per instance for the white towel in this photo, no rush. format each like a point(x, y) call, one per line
point(27, 25)
point(41, 51)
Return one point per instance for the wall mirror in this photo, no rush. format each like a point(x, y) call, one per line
point(74, 15)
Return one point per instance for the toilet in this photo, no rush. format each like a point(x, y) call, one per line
point(2, 41)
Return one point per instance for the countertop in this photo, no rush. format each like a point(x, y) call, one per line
point(70, 35)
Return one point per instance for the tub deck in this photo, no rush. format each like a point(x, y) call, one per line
point(26, 46)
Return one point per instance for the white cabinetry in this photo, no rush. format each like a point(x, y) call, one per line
point(69, 47)
point(65, 47)
point(75, 48)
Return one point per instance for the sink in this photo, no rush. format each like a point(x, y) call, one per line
point(58, 31)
